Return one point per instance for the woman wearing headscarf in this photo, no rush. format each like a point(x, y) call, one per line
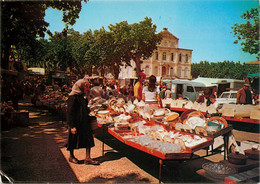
point(151, 93)
point(79, 121)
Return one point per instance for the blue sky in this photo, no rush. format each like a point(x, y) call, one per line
point(201, 25)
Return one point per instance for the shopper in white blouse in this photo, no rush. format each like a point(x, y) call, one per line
point(151, 93)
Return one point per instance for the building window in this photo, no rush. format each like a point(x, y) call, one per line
point(164, 56)
point(179, 72)
point(179, 57)
point(171, 71)
point(163, 71)
point(186, 71)
point(156, 55)
point(187, 58)
point(172, 57)
point(156, 71)
point(147, 70)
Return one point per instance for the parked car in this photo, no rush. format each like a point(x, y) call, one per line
point(229, 97)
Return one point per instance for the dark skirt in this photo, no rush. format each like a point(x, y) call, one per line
point(83, 138)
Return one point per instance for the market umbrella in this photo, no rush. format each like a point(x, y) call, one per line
point(252, 75)
point(256, 62)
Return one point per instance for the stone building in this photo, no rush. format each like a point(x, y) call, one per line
point(167, 62)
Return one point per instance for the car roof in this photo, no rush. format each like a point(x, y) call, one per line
point(229, 92)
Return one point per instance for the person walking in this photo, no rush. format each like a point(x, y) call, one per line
point(151, 93)
point(244, 95)
point(138, 88)
point(79, 121)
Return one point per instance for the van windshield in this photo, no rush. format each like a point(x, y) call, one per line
point(190, 89)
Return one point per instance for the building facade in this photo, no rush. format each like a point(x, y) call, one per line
point(167, 62)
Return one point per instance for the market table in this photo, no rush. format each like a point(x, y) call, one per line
point(122, 135)
point(228, 118)
point(163, 157)
point(242, 120)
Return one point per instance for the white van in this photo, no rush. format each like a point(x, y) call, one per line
point(190, 90)
point(229, 97)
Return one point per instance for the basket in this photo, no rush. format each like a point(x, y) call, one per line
point(185, 114)
point(196, 114)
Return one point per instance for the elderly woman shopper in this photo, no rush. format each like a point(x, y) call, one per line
point(79, 121)
point(151, 93)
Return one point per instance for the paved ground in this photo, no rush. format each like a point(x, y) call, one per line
point(36, 154)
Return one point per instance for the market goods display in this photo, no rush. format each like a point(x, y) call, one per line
point(135, 122)
point(141, 124)
point(172, 119)
point(238, 111)
point(7, 116)
point(241, 111)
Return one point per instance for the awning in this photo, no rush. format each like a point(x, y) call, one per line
point(208, 82)
point(256, 62)
point(253, 75)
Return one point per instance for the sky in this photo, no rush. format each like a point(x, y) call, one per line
point(201, 25)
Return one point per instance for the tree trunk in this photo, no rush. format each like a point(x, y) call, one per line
point(137, 66)
point(5, 58)
point(116, 72)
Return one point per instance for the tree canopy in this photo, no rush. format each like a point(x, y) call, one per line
point(100, 49)
point(23, 22)
point(225, 69)
point(137, 41)
point(248, 33)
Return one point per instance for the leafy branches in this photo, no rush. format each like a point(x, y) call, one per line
point(248, 33)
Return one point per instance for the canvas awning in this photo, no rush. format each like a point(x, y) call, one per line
point(208, 82)
point(256, 62)
point(252, 75)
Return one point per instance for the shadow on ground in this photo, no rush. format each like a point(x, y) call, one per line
point(30, 154)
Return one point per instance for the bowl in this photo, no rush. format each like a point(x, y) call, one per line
point(218, 170)
point(219, 120)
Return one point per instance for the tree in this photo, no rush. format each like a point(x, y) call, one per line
point(137, 41)
point(248, 33)
point(225, 69)
point(23, 22)
point(108, 55)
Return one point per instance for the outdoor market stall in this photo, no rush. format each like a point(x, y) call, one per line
point(159, 132)
point(230, 112)
point(162, 133)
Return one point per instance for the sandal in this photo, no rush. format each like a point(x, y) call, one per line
point(92, 162)
point(73, 160)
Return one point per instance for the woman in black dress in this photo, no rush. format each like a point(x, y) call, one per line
point(79, 121)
